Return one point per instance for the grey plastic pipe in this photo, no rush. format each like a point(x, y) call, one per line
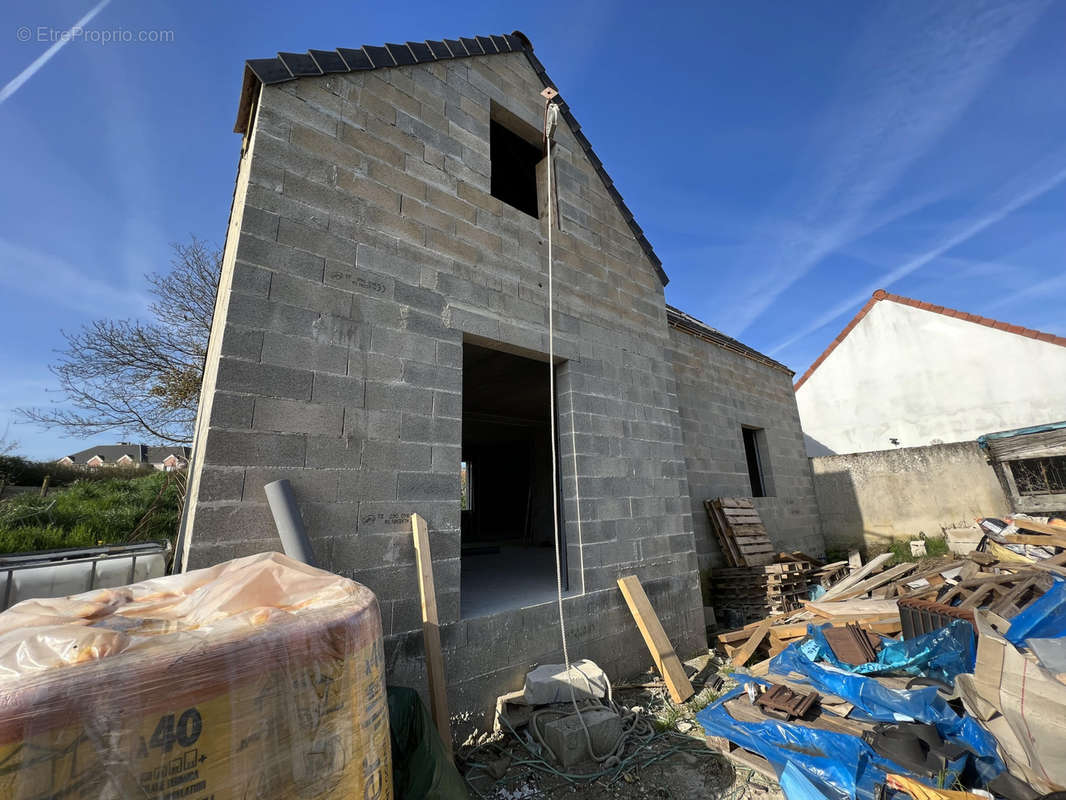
point(287, 518)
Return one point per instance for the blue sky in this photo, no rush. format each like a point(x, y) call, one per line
point(784, 159)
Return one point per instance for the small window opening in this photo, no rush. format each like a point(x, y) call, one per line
point(507, 536)
point(755, 456)
point(514, 169)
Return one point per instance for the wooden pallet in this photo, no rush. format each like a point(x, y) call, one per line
point(742, 758)
point(740, 531)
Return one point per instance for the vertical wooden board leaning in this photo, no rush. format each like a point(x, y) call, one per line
point(438, 691)
point(662, 652)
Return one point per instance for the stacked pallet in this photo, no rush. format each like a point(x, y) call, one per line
point(751, 593)
point(740, 531)
point(758, 582)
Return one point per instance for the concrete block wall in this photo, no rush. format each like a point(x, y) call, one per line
point(364, 248)
point(720, 392)
point(869, 499)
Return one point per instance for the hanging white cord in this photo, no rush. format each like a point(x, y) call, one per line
point(551, 116)
point(632, 726)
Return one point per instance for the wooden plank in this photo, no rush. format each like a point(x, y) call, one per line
point(880, 624)
point(662, 652)
point(740, 658)
point(862, 587)
point(856, 607)
point(1036, 527)
point(1057, 539)
point(856, 576)
point(438, 694)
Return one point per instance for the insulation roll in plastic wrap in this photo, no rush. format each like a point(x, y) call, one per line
point(257, 678)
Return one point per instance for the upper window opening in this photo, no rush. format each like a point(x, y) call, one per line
point(514, 169)
point(755, 458)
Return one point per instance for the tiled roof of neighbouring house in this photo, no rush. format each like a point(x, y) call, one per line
point(138, 453)
point(881, 294)
point(110, 453)
point(677, 318)
point(314, 63)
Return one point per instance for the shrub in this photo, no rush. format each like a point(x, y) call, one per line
point(101, 510)
point(18, 471)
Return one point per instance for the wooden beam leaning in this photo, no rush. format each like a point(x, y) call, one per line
point(741, 656)
point(662, 652)
point(438, 692)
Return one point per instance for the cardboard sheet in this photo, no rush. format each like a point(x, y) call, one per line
point(1022, 705)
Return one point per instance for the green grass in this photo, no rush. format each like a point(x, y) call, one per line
point(89, 513)
point(935, 547)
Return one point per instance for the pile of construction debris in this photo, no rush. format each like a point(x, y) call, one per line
point(946, 671)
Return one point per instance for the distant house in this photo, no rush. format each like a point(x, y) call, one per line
point(167, 458)
point(906, 373)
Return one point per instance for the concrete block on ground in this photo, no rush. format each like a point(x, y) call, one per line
point(566, 737)
point(550, 683)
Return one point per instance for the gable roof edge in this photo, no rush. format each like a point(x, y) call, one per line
point(881, 294)
point(315, 63)
point(686, 323)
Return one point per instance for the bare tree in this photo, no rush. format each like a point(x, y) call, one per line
point(136, 377)
point(7, 446)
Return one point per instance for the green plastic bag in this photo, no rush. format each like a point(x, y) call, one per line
point(421, 768)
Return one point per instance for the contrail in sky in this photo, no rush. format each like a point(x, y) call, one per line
point(16, 83)
point(976, 227)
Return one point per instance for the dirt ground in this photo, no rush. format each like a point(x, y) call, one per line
point(675, 764)
point(676, 776)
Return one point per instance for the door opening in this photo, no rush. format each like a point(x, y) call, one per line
point(508, 558)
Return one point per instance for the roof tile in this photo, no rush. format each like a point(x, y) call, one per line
point(401, 54)
point(458, 48)
point(300, 64)
point(379, 56)
point(440, 49)
point(421, 51)
point(473, 47)
point(329, 60)
point(356, 59)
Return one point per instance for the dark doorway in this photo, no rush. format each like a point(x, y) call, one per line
point(508, 558)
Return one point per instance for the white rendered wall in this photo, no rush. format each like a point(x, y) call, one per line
point(925, 378)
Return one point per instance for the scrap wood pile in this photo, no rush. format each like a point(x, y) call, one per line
point(948, 672)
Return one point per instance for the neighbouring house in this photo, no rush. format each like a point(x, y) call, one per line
point(905, 373)
point(380, 338)
point(167, 457)
point(892, 411)
point(1031, 465)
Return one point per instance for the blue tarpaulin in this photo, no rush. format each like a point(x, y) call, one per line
point(1044, 618)
point(940, 654)
point(840, 766)
point(843, 766)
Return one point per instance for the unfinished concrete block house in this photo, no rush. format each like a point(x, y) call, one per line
point(381, 340)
